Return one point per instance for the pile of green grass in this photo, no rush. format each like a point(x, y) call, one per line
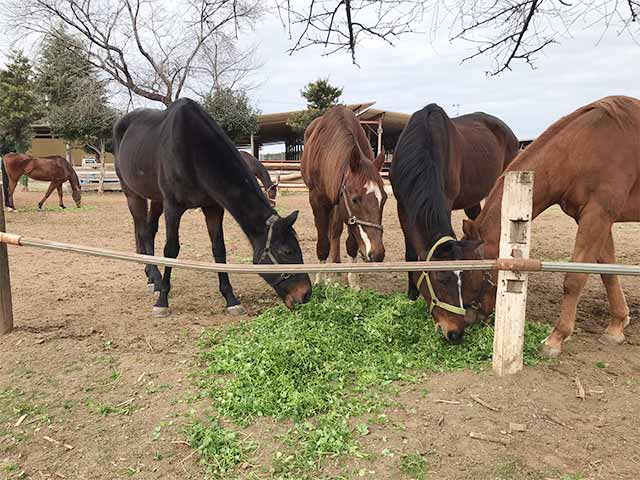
point(329, 360)
point(334, 353)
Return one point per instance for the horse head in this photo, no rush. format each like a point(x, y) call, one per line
point(361, 202)
point(480, 286)
point(281, 246)
point(448, 292)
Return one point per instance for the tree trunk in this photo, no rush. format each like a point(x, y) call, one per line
point(67, 153)
point(102, 167)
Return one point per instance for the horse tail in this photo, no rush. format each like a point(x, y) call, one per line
point(5, 181)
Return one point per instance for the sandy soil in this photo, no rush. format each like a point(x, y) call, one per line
point(85, 340)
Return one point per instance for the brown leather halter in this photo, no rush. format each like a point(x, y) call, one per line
point(353, 220)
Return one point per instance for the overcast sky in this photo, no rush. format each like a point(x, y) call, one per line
point(416, 72)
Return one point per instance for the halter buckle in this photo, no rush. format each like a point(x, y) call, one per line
point(352, 220)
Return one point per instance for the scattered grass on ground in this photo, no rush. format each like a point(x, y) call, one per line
point(220, 449)
point(69, 209)
point(328, 361)
point(414, 465)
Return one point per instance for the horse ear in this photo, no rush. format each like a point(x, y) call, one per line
point(290, 219)
point(470, 229)
point(354, 161)
point(379, 161)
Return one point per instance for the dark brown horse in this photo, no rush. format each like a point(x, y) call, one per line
point(261, 173)
point(345, 187)
point(439, 165)
point(588, 162)
point(54, 169)
point(179, 158)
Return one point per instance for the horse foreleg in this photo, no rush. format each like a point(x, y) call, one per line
point(410, 254)
point(473, 212)
point(52, 187)
point(172, 216)
point(335, 232)
point(594, 228)
point(11, 188)
point(618, 308)
point(59, 187)
point(321, 217)
point(214, 217)
point(154, 276)
point(138, 208)
point(352, 251)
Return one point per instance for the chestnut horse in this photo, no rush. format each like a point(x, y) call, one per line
point(178, 159)
point(588, 162)
point(54, 169)
point(439, 165)
point(345, 187)
point(261, 173)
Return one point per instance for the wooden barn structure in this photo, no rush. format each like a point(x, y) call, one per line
point(381, 126)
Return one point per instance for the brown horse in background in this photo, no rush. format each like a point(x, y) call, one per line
point(588, 162)
point(442, 164)
point(345, 187)
point(261, 173)
point(54, 169)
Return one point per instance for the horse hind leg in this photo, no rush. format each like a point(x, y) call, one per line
point(473, 212)
point(618, 308)
point(594, 228)
point(52, 187)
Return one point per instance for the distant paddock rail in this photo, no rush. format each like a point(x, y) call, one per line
point(504, 264)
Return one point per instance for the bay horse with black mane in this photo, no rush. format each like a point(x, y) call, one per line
point(442, 164)
point(256, 167)
point(53, 168)
point(345, 187)
point(179, 159)
point(588, 162)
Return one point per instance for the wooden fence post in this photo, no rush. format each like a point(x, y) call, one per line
point(511, 300)
point(6, 307)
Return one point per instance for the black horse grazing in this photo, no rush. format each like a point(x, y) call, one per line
point(179, 158)
point(261, 173)
point(439, 165)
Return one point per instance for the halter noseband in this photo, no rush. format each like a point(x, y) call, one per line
point(353, 220)
point(435, 302)
point(267, 253)
point(486, 283)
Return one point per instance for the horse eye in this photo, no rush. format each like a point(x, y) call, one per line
point(355, 200)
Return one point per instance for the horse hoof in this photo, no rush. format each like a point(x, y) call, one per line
point(608, 339)
point(236, 310)
point(550, 351)
point(160, 312)
point(11, 209)
point(151, 287)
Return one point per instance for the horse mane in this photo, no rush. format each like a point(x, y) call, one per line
point(341, 128)
point(612, 108)
point(419, 169)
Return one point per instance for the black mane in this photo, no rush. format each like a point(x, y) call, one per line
point(418, 170)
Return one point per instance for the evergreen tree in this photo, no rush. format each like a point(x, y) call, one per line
point(232, 111)
point(320, 96)
point(19, 104)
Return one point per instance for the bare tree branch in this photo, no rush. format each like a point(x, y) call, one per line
point(151, 47)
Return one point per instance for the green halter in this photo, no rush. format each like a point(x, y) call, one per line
point(435, 302)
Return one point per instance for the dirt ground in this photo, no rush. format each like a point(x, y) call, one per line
point(92, 370)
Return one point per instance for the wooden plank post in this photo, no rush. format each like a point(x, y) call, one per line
point(511, 300)
point(6, 306)
point(379, 132)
